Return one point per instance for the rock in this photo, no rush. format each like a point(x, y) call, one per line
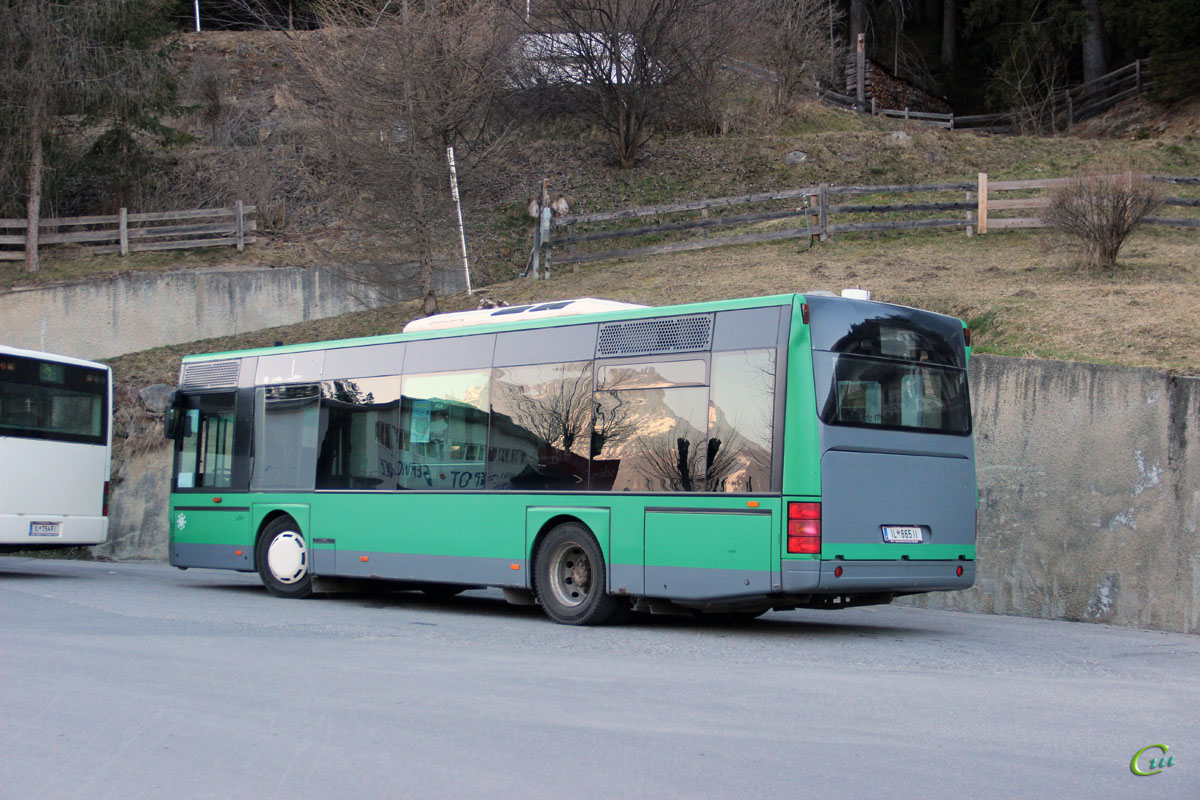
point(899, 139)
point(796, 157)
point(156, 396)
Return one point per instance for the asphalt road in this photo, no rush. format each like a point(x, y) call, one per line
point(139, 680)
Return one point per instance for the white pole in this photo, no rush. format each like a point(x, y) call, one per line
point(196, 5)
point(462, 233)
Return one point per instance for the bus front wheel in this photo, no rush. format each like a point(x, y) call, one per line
point(570, 577)
point(282, 557)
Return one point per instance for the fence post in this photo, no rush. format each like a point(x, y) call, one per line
point(860, 65)
point(241, 227)
point(983, 197)
point(1137, 71)
point(970, 217)
point(704, 215)
point(822, 221)
point(535, 258)
point(874, 111)
point(906, 112)
point(123, 230)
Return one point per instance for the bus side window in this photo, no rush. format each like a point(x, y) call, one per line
point(286, 420)
point(741, 421)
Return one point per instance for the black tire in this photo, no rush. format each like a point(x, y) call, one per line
point(571, 578)
point(283, 559)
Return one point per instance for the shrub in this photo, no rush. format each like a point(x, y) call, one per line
point(1100, 211)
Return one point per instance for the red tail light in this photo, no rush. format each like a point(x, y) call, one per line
point(804, 528)
point(104, 502)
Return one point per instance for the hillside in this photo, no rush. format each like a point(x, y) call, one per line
point(1021, 290)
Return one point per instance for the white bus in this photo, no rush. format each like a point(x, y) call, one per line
point(55, 450)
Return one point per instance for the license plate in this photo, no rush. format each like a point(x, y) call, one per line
point(44, 529)
point(903, 533)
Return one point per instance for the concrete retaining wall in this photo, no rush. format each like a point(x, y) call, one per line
point(1089, 490)
point(129, 313)
point(1089, 487)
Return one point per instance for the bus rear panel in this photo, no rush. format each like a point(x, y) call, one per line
point(54, 450)
point(894, 454)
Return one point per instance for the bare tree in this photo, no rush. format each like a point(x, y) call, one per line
point(396, 84)
point(558, 411)
point(70, 66)
point(625, 65)
point(794, 39)
point(1100, 211)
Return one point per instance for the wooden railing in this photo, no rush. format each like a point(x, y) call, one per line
point(988, 221)
point(126, 233)
point(1063, 108)
point(821, 211)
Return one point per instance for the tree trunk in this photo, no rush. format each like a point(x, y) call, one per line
point(429, 304)
point(858, 19)
point(949, 33)
point(1095, 62)
point(33, 205)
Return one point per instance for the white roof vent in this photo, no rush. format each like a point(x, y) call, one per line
point(856, 294)
point(496, 316)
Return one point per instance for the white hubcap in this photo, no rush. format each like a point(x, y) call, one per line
point(287, 557)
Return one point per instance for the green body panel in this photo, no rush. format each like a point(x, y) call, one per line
point(538, 518)
point(710, 541)
point(228, 523)
point(801, 447)
point(503, 525)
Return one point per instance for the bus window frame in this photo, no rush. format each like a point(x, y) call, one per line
point(241, 448)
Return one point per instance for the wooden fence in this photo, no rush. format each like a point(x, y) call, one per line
point(1062, 109)
point(988, 221)
point(815, 213)
point(126, 233)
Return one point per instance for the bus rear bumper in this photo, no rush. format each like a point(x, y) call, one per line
point(900, 577)
point(17, 530)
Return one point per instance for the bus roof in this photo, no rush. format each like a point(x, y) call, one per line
point(79, 362)
point(632, 312)
point(488, 323)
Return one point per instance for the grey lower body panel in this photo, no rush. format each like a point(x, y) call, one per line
point(623, 576)
point(212, 556)
point(801, 577)
point(895, 576)
point(469, 570)
point(698, 583)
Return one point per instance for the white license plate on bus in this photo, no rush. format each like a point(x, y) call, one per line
point(44, 529)
point(903, 533)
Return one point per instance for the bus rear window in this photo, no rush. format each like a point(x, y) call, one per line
point(50, 400)
point(872, 392)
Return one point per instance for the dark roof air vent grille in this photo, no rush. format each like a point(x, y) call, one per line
point(655, 336)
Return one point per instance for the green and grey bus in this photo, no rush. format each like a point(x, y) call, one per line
point(792, 451)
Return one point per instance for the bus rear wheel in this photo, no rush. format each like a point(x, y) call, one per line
point(282, 557)
point(570, 577)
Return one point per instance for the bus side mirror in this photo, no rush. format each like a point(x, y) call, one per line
point(172, 415)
